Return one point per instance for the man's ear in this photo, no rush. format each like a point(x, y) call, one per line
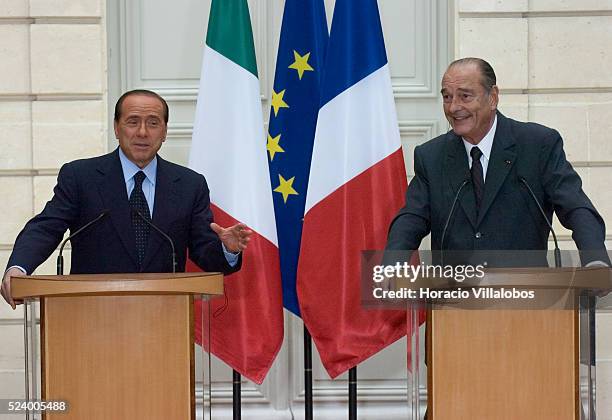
point(116, 127)
point(494, 96)
point(165, 133)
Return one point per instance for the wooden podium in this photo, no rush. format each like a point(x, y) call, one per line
point(118, 346)
point(515, 362)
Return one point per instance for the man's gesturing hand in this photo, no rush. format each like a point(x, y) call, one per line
point(235, 238)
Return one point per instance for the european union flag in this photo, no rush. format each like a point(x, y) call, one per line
point(291, 130)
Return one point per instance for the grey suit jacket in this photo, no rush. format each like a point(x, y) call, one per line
point(508, 218)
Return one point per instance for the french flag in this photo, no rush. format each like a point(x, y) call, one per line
point(357, 183)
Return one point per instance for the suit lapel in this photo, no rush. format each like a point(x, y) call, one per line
point(114, 196)
point(457, 171)
point(503, 156)
point(164, 210)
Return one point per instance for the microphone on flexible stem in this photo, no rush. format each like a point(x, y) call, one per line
point(450, 215)
point(60, 258)
point(162, 233)
point(557, 251)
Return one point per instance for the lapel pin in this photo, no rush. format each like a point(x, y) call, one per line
point(508, 162)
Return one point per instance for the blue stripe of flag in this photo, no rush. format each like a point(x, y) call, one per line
point(356, 46)
point(304, 30)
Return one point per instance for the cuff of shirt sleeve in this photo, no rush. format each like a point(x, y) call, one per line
point(597, 263)
point(232, 258)
point(17, 267)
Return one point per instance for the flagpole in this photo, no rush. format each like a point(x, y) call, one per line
point(352, 393)
point(236, 394)
point(308, 374)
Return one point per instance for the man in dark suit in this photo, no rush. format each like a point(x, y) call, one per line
point(486, 162)
point(129, 185)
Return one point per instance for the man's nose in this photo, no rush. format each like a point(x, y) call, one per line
point(142, 129)
point(454, 105)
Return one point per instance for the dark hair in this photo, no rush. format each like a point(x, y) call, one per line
point(488, 79)
point(142, 92)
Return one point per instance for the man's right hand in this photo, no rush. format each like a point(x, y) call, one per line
point(6, 286)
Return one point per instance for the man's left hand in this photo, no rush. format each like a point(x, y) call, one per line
point(235, 238)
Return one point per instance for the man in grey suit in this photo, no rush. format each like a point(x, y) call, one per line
point(488, 162)
point(486, 165)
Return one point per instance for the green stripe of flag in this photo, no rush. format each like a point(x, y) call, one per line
point(230, 34)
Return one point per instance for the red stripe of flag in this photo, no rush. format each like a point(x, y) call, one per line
point(247, 328)
point(353, 218)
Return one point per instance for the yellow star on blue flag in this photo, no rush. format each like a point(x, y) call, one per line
point(293, 117)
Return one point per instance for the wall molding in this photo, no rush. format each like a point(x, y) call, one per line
point(9, 247)
point(11, 321)
point(68, 20)
point(20, 97)
point(567, 237)
point(29, 172)
point(405, 87)
point(51, 20)
point(183, 94)
point(535, 14)
point(554, 91)
point(16, 20)
point(68, 96)
point(180, 131)
point(222, 393)
point(425, 128)
point(137, 71)
point(591, 164)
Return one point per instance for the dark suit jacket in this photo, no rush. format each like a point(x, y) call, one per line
point(508, 218)
point(85, 188)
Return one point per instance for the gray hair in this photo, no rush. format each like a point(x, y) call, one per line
point(488, 79)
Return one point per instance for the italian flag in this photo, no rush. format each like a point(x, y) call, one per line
point(229, 149)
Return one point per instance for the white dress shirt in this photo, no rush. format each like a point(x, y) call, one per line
point(485, 145)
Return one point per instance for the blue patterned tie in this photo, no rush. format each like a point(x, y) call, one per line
point(138, 203)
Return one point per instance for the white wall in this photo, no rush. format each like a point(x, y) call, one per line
point(52, 110)
point(64, 63)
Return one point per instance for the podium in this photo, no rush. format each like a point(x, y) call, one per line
point(498, 359)
point(116, 346)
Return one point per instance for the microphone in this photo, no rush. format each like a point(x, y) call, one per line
point(531, 193)
point(163, 234)
point(466, 181)
point(60, 258)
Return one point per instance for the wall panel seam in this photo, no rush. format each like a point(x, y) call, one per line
point(68, 96)
point(51, 20)
point(29, 172)
point(11, 322)
point(555, 91)
point(538, 14)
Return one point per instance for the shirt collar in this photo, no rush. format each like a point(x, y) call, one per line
point(130, 168)
point(486, 144)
